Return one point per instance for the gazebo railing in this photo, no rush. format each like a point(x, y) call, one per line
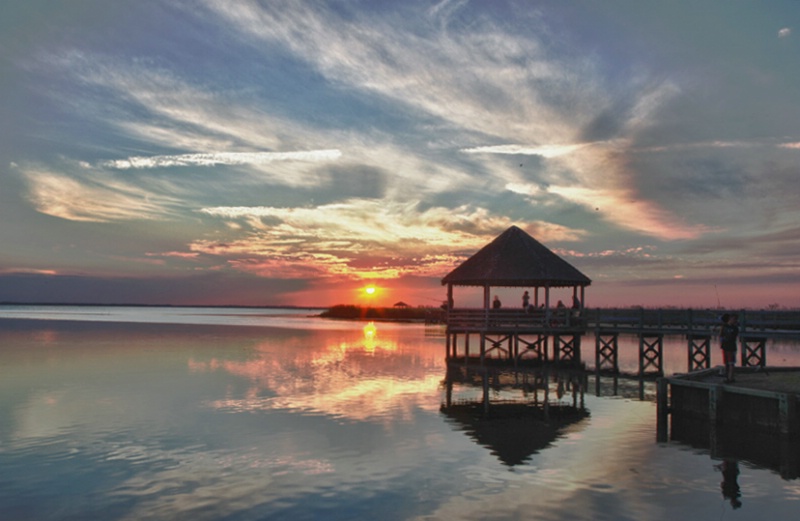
point(512, 319)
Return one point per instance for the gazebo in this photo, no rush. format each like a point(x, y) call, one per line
point(515, 259)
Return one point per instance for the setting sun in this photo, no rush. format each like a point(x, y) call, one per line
point(370, 290)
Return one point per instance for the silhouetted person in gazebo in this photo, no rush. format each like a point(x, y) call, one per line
point(526, 301)
point(496, 304)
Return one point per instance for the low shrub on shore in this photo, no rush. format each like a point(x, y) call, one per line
point(345, 311)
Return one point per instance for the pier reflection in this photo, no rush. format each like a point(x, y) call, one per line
point(514, 412)
point(621, 385)
point(772, 451)
point(730, 481)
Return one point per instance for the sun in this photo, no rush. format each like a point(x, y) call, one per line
point(370, 290)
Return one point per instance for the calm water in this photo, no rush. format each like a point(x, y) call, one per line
point(211, 414)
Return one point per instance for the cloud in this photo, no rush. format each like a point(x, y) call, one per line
point(159, 106)
point(700, 145)
point(221, 127)
point(546, 151)
point(381, 222)
point(176, 254)
point(222, 158)
point(363, 238)
point(488, 78)
point(785, 32)
point(26, 271)
point(94, 198)
point(625, 209)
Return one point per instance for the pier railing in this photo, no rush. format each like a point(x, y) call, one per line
point(767, 323)
point(752, 323)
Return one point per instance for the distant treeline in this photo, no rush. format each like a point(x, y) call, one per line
point(394, 313)
point(139, 305)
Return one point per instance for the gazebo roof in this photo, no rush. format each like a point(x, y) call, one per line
point(515, 258)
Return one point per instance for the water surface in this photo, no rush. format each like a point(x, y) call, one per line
point(141, 415)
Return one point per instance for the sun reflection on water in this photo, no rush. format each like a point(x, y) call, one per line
point(362, 376)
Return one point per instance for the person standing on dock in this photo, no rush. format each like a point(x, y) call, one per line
point(728, 336)
point(526, 300)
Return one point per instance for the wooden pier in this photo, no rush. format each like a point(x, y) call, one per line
point(521, 337)
point(540, 336)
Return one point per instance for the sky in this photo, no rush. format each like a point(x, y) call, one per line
point(292, 152)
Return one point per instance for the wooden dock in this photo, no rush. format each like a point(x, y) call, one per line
point(756, 417)
point(517, 336)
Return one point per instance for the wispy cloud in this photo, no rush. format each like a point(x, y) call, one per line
point(716, 144)
point(93, 199)
point(222, 158)
point(158, 106)
point(625, 209)
point(486, 78)
point(27, 271)
point(176, 254)
point(546, 151)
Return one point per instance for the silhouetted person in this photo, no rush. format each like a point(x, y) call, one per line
point(576, 303)
point(526, 300)
point(496, 304)
point(728, 335)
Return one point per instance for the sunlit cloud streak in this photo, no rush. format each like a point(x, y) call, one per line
point(627, 211)
point(543, 150)
point(677, 147)
point(222, 158)
point(176, 254)
point(387, 223)
point(23, 271)
point(400, 238)
point(94, 199)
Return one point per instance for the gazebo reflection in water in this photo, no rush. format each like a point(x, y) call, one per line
point(515, 412)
